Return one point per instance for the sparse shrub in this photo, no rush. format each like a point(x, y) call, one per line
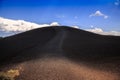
point(9, 75)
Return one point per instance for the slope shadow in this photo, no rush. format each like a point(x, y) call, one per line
point(80, 44)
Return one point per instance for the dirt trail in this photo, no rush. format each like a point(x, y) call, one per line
point(62, 69)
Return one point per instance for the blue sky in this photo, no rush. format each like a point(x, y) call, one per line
point(104, 14)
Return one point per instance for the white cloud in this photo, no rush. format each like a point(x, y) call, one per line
point(99, 13)
point(54, 24)
point(77, 27)
point(100, 31)
point(20, 25)
point(96, 30)
point(10, 27)
point(17, 26)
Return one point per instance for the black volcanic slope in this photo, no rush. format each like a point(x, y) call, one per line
point(59, 42)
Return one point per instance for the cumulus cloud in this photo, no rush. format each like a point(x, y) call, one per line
point(54, 24)
point(10, 27)
point(77, 27)
point(99, 13)
point(20, 25)
point(96, 30)
point(100, 31)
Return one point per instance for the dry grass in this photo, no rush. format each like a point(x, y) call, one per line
point(9, 75)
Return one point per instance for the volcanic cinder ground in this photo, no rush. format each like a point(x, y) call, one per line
point(61, 53)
